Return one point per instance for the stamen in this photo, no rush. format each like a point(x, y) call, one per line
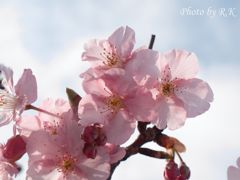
point(52, 128)
point(114, 103)
point(166, 89)
point(7, 101)
point(66, 164)
point(111, 58)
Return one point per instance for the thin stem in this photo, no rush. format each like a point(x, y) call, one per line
point(29, 106)
point(152, 41)
point(179, 156)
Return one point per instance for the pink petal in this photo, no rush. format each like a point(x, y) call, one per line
point(171, 113)
point(46, 147)
point(123, 39)
point(140, 103)
point(118, 81)
point(27, 124)
point(58, 106)
point(7, 170)
point(93, 50)
point(142, 67)
point(5, 117)
point(195, 94)
point(43, 166)
point(182, 64)
point(116, 152)
point(27, 86)
point(119, 129)
point(95, 86)
point(89, 110)
point(233, 173)
point(98, 168)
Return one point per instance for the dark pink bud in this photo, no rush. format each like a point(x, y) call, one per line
point(90, 150)
point(94, 134)
point(185, 171)
point(171, 171)
point(14, 149)
point(89, 134)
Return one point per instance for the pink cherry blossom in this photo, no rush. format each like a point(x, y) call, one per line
point(178, 93)
point(14, 99)
point(8, 169)
point(233, 173)
point(56, 149)
point(43, 120)
point(115, 101)
point(113, 52)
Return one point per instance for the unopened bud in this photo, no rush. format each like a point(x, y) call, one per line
point(90, 150)
point(94, 134)
point(14, 149)
point(171, 171)
point(185, 171)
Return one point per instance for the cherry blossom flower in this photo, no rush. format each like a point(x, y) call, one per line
point(113, 52)
point(14, 99)
point(115, 101)
point(233, 173)
point(48, 122)
point(56, 149)
point(117, 52)
point(177, 92)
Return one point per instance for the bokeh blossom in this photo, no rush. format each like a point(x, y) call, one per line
point(233, 173)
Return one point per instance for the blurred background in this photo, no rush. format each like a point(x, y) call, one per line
point(48, 37)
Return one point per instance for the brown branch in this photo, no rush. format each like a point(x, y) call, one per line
point(154, 154)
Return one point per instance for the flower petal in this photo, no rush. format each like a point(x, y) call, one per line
point(195, 94)
point(119, 129)
point(171, 113)
point(89, 110)
point(118, 81)
point(182, 64)
point(27, 86)
point(142, 67)
point(123, 39)
point(140, 104)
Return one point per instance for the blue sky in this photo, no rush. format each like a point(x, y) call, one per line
point(48, 36)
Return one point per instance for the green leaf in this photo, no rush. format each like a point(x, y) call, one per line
point(74, 99)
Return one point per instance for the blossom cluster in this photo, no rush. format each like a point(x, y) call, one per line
point(82, 138)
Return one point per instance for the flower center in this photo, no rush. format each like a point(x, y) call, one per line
point(51, 128)
point(114, 103)
point(111, 58)
point(66, 164)
point(167, 88)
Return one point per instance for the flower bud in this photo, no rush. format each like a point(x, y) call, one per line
point(14, 149)
point(94, 134)
point(171, 171)
point(185, 171)
point(90, 150)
